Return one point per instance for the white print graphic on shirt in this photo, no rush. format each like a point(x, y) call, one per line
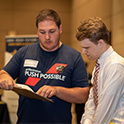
point(37, 74)
point(30, 63)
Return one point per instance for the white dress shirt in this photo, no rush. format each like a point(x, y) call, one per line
point(110, 92)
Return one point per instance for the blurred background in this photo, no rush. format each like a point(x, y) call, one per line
point(17, 17)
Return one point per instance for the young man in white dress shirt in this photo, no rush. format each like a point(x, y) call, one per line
point(93, 37)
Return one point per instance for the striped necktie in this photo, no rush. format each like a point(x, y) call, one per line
point(95, 84)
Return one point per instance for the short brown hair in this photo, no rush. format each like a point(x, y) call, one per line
point(48, 14)
point(94, 29)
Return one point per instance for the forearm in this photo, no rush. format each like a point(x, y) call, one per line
point(2, 72)
point(73, 95)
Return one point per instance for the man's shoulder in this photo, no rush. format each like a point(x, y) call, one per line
point(113, 60)
point(70, 49)
point(31, 46)
point(117, 58)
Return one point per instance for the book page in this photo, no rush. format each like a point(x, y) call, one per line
point(23, 86)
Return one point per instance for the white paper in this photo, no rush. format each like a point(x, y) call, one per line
point(25, 87)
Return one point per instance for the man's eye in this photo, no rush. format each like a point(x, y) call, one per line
point(42, 32)
point(52, 31)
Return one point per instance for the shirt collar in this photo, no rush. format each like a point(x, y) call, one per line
point(105, 54)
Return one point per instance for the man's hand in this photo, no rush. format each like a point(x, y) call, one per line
point(71, 95)
point(47, 91)
point(6, 81)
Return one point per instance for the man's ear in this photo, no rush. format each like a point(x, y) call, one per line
point(60, 28)
point(101, 43)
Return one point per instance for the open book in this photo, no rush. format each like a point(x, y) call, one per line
point(26, 91)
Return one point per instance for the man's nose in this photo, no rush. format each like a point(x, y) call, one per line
point(47, 36)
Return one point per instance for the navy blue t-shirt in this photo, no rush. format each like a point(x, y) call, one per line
point(35, 68)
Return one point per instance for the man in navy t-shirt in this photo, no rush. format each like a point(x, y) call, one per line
point(52, 70)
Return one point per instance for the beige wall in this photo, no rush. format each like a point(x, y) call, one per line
point(118, 26)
